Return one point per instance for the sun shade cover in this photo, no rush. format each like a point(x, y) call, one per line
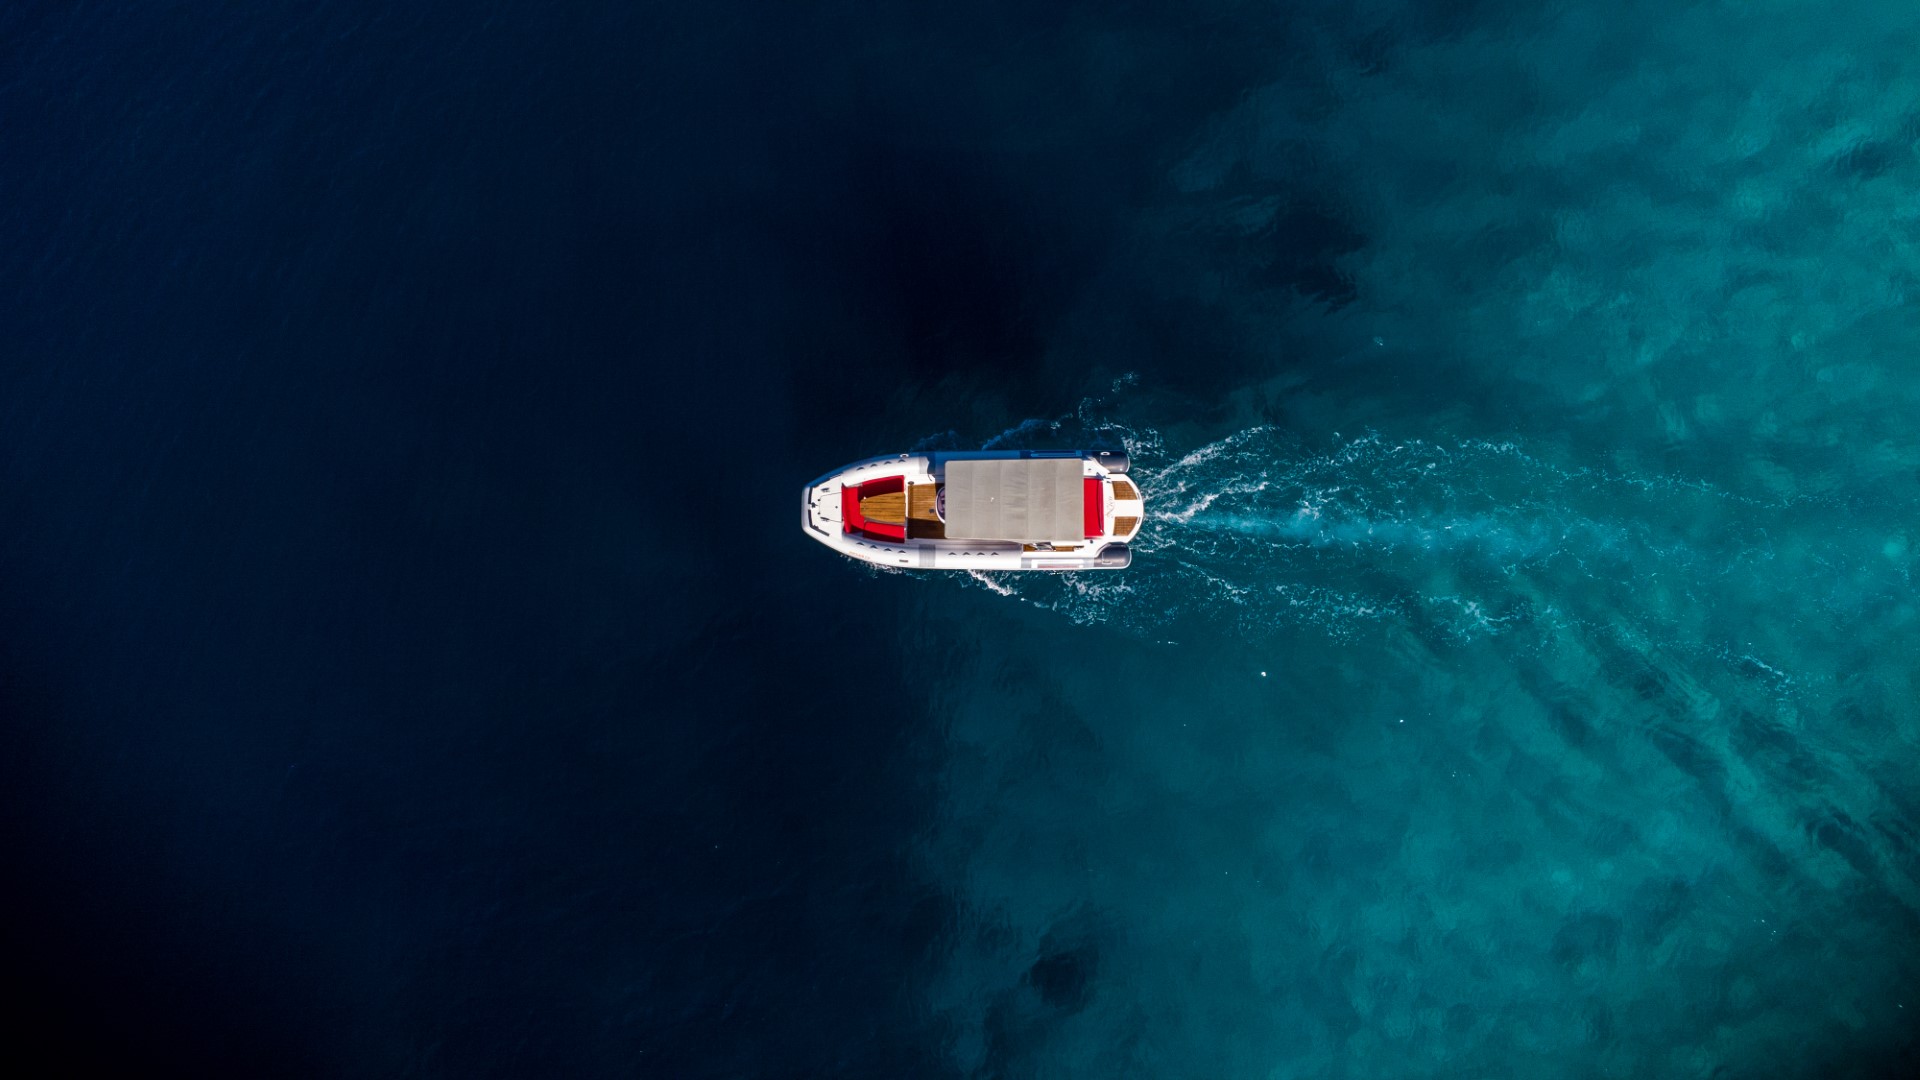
point(1031, 500)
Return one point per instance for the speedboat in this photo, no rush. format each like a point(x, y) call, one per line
point(980, 510)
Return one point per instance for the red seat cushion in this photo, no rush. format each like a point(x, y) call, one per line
point(1094, 506)
point(852, 521)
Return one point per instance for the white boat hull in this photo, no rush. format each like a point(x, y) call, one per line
point(889, 511)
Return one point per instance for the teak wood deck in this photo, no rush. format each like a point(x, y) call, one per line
point(890, 509)
point(922, 522)
point(914, 509)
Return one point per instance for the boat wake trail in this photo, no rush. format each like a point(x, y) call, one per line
point(1455, 540)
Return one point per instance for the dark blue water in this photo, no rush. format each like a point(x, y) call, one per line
point(410, 666)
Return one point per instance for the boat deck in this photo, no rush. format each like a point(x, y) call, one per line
point(914, 508)
point(890, 508)
point(922, 522)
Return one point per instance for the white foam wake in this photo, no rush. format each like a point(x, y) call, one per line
point(1459, 539)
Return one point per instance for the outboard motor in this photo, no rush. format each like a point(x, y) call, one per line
point(1113, 557)
point(1114, 460)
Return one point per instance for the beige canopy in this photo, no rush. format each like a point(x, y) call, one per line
point(1032, 500)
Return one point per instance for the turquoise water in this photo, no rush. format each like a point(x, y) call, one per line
point(1517, 672)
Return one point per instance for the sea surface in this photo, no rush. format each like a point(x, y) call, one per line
point(411, 664)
